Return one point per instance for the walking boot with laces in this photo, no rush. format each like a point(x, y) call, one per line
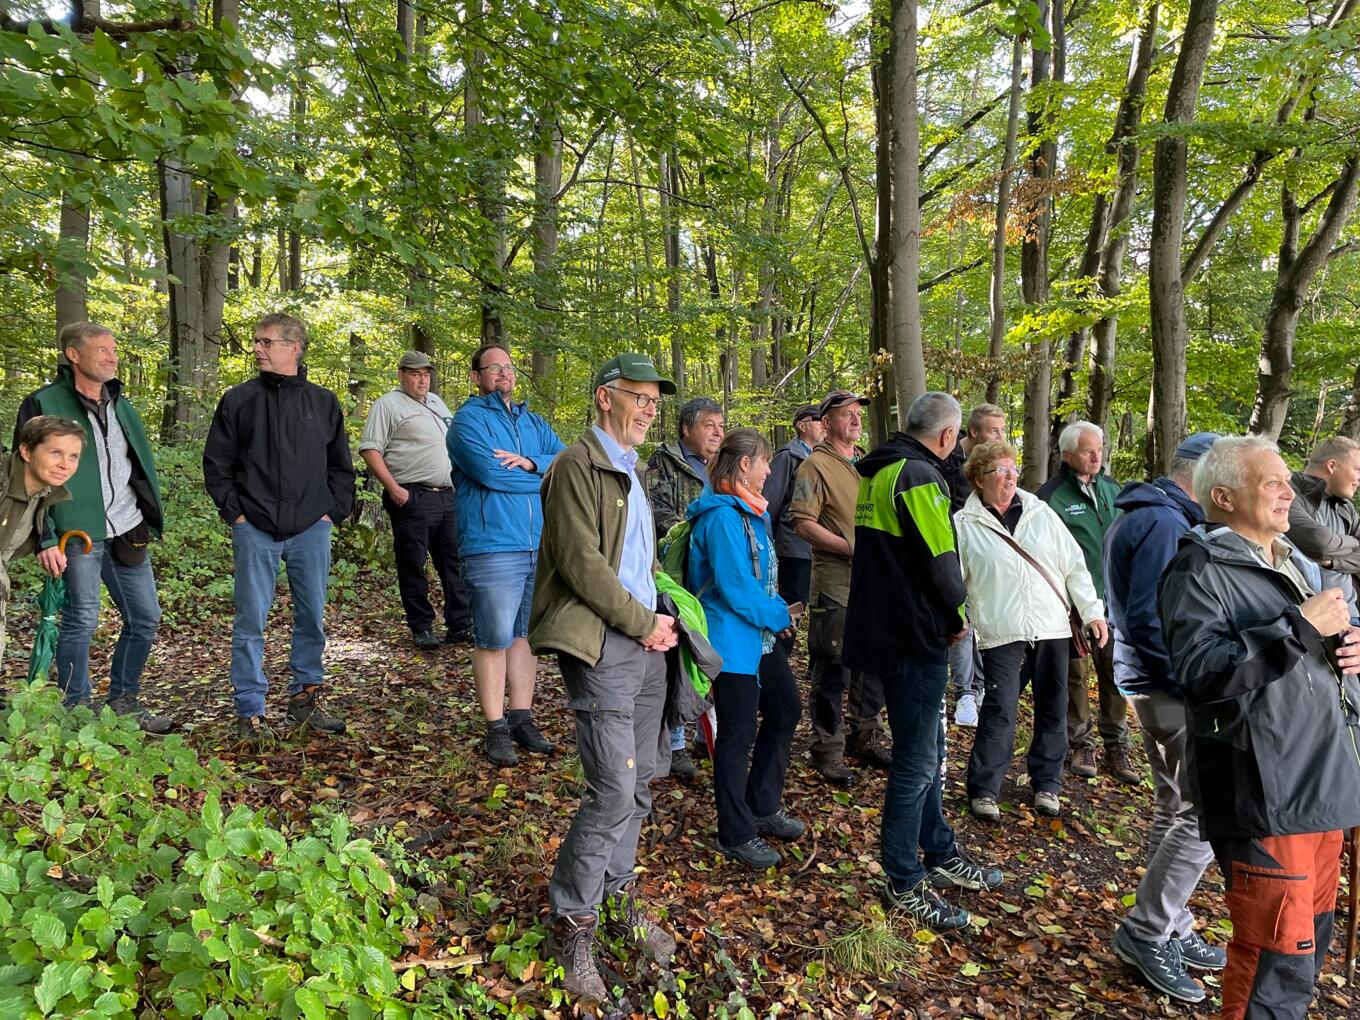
point(571, 944)
point(1117, 764)
point(127, 704)
point(869, 750)
point(254, 730)
point(499, 745)
point(1082, 764)
point(304, 709)
point(526, 735)
point(625, 918)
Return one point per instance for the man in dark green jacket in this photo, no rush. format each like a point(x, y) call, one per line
point(1083, 496)
point(115, 499)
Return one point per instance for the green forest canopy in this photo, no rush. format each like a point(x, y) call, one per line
point(702, 181)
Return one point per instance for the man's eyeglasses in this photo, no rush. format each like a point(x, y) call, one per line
point(268, 342)
point(498, 369)
point(644, 400)
point(1003, 470)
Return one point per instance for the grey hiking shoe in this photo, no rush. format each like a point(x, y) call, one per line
point(780, 825)
point(755, 854)
point(926, 906)
point(984, 808)
point(682, 765)
point(571, 943)
point(305, 710)
point(1199, 955)
point(962, 871)
point(127, 704)
point(624, 918)
point(1160, 963)
point(254, 730)
point(426, 641)
point(1046, 803)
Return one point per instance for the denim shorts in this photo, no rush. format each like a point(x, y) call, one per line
point(500, 588)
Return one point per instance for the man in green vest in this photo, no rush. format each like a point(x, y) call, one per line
point(1083, 496)
point(115, 499)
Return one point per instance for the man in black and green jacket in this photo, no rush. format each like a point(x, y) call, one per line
point(115, 499)
point(1083, 496)
point(905, 610)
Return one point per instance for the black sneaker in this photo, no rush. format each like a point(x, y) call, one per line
point(426, 641)
point(499, 746)
point(682, 765)
point(780, 825)
point(305, 710)
point(754, 853)
point(571, 943)
point(1160, 963)
point(959, 870)
point(1199, 955)
point(458, 636)
point(254, 730)
point(926, 906)
point(127, 704)
point(526, 735)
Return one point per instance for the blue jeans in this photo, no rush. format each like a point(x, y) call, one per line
point(307, 559)
point(133, 590)
point(500, 588)
point(913, 820)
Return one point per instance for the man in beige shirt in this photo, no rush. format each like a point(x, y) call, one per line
point(823, 514)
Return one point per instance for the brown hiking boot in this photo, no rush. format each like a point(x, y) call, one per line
point(835, 772)
point(1117, 764)
point(1083, 763)
point(870, 751)
point(624, 918)
point(571, 943)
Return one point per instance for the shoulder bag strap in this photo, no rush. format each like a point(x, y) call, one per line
point(755, 556)
point(1005, 535)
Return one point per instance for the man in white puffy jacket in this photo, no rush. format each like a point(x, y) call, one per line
point(1023, 571)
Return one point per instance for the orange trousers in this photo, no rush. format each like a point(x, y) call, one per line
point(1281, 898)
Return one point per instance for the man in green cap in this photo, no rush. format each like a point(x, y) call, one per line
point(595, 606)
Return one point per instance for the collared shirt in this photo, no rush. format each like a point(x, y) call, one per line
point(114, 459)
point(639, 538)
point(18, 511)
point(695, 462)
point(804, 446)
point(1279, 560)
point(410, 434)
point(1009, 517)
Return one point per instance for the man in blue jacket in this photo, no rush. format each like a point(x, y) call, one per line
point(500, 451)
point(1158, 936)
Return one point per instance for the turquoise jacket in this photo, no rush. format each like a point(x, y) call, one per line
point(731, 581)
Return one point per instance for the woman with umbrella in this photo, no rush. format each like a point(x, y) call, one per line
point(31, 479)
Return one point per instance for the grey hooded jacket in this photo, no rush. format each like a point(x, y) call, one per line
point(1272, 727)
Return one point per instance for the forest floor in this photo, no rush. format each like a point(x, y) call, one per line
point(805, 940)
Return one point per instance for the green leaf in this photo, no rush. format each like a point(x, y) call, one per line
point(310, 1003)
point(52, 817)
point(9, 879)
point(47, 931)
point(52, 986)
point(212, 813)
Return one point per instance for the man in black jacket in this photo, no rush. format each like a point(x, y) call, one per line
point(906, 609)
point(795, 555)
point(278, 466)
point(1273, 749)
point(1323, 522)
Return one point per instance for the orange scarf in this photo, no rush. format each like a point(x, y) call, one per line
point(754, 502)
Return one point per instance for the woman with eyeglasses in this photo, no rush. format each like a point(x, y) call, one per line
point(1024, 572)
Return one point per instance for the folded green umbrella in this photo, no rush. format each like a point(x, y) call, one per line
point(50, 601)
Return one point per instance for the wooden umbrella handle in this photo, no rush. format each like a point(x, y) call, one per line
point(61, 542)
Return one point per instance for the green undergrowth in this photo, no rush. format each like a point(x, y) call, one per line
point(128, 889)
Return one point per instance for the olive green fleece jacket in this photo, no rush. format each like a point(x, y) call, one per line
point(577, 592)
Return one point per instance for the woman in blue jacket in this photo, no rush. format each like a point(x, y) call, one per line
point(732, 569)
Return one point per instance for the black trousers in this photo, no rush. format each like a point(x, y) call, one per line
point(795, 579)
point(425, 527)
point(750, 757)
point(1004, 679)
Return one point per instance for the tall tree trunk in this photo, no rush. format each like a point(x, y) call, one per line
point(197, 286)
point(1294, 274)
point(1350, 411)
point(490, 191)
point(1170, 333)
point(880, 287)
point(1124, 146)
point(670, 231)
point(908, 355)
point(1034, 287)
point(547, 293)
point(74, 228)
point(298, 110)
point(997, 295)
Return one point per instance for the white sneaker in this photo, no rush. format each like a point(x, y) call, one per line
point(966, 711)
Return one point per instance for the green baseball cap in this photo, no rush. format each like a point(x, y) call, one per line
point(634, 368)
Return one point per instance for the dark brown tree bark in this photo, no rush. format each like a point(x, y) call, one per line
point(997, 289)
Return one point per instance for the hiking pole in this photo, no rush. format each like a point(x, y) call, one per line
point(1352, 900)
